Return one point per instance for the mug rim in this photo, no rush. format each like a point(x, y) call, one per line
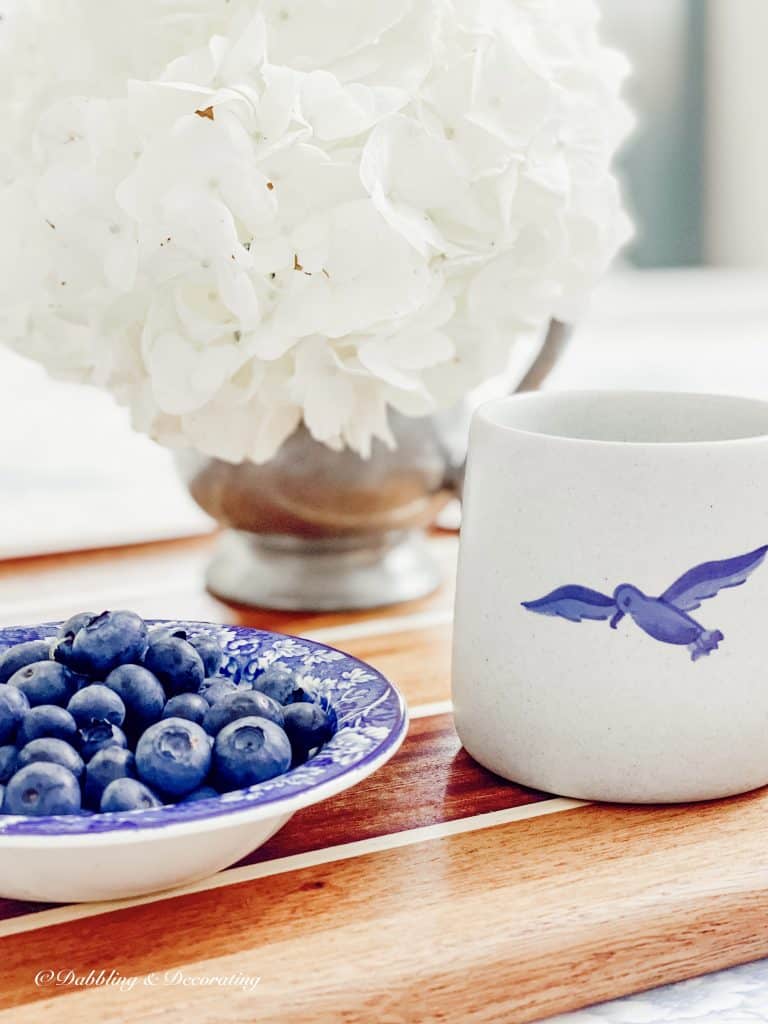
point(487, 414)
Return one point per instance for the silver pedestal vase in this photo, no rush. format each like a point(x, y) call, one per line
point(319, 530)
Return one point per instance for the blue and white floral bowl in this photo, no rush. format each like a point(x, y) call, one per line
point(116, 855)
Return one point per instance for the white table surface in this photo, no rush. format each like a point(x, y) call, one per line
point(735, 996)
point(73, 475)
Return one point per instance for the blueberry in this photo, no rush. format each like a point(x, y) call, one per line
point(217, 687)
point(61, 651)
point(109, 640)
point(165, 632)
point(176, 664)
point(307, 726)
point(201, 793)
point(108, 764)
point(241, 705)
point(300, 695)
point(42, 788)
point(209, 649)
point(23, 654)
point(47, 720)
point(62, 648)
point(186, 705)
point(96, 703)
point(2, 797)
point(205, 643)
point(278, 682)
point(97, 736)
point(13, 707)
point(140, 692)
point(127, 795)
point(174, 756)
point(54, 751)
point(44, 682)
point(75, 623)
point(8, 758)
point(250, 750)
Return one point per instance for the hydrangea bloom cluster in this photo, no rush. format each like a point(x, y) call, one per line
point(240, 214)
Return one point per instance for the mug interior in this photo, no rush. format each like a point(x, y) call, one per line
point(639, 417)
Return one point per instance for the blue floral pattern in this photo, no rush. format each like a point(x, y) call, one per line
point(369, 712)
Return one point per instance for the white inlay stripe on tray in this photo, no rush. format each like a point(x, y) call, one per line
point(22, 613)
point(436, 707)
point(381, 627)
point(296, 862)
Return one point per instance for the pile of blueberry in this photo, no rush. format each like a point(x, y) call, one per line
point(111, 715)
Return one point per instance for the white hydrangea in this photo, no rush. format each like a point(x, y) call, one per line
point(240, 214)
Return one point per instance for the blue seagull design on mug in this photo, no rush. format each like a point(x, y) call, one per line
point(664, 618)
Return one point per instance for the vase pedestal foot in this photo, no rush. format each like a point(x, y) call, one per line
point(295, 574)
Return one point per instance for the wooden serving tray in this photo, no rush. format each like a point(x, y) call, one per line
point(434, 891)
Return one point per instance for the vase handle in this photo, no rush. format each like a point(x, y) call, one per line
point(552, 348)
point(550, 352)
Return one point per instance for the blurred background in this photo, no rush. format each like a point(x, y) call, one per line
point(686, 308)
point(696, 169)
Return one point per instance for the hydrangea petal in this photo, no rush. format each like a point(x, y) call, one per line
point(236, 216)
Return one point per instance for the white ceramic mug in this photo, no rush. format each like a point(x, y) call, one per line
point(611, 633)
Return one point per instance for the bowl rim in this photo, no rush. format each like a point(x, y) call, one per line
point(374, 719)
